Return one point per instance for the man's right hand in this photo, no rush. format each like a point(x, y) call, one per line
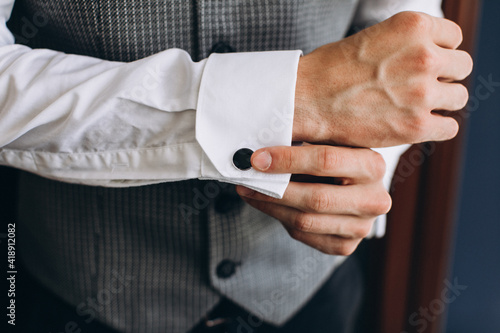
point(379, 87)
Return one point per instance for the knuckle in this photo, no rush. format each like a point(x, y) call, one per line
point(377, 166)
point(343, 229)
point(319, 201)
point(328, 159)
point(366, 228)
point(378, 204)
point(286, 161)
point(415, 129)
point(361, 229)
point(425, 59)
point(421, 95)
point(283, 159)
point(343, 248)
point(413, 21)
point(303, 222)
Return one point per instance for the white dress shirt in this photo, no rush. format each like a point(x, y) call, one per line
point(162, 118)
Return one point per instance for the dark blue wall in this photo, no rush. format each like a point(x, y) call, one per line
point(477, 258)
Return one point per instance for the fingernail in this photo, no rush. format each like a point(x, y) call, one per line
point(262, 161)
point(245, 191)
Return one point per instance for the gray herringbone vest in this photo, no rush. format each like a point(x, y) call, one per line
point(148, 259)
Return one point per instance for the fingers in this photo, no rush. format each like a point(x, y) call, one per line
point(450, 96)
point(356, 200)
point(342, 225)
point(444, 128)
point(329, 244)
point(455, 65)
point(362, 165)
point(337, 235)
point(446, 33)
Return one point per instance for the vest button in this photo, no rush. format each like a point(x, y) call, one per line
point(241, 159)
point(226, 268)
point(222, 47)
point(226, 202)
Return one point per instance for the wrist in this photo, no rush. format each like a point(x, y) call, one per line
point(299, 124)
point(313, 110)
point(302, 105)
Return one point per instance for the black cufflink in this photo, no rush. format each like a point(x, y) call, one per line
point(241, 159)
point(222, 47)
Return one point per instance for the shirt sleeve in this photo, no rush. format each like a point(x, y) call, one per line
point(370, 12)
point(162, 118)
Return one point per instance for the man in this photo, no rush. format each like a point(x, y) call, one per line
point(124, 113)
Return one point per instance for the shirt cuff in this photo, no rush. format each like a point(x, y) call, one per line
point(373, 11)
point(391, 157)
point(246, 100)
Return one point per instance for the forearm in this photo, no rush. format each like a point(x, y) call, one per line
point(161, 118)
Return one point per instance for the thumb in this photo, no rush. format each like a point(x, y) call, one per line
point(261, 160)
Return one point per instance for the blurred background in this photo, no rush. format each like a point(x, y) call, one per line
point(476, 259)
